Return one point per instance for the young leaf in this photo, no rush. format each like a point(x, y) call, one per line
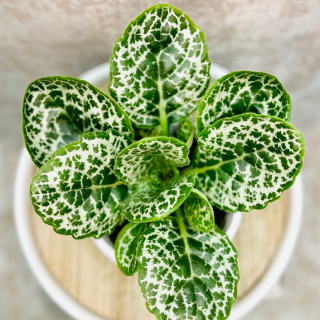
point(160, 67)
point(57, 110)
point(187, 274)
point(135, 163)
point(244, 92)
point(247, 161)
point(185, 132)
point(126, 247)
point(77, 191)
point(198, 211)
point(150, 203)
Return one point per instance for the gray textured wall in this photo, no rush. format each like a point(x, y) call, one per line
point(66, 37)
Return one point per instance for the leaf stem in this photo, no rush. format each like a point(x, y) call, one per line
point(162, 107)
point(118, 183)
point(180, 218)
point(188, 171)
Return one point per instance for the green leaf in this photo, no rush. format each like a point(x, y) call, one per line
point(126, 247)
point(77, 191)
point(150, 203)
point(185, 132)
point(57, 110)
point(159, 68)
point(187, 274)
point(198, 211)
point(135, 163)
point(247, 161)
point(243, 92)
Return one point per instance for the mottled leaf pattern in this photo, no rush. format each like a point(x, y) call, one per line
point(77, 191)
point(150, 203)
point(198, 211)
point(185, 274)
point(247, 161)
point(160, 67)
point(185, 132)
point(246, 155)
point(135, 163)
point(126, 247)
point(244, 92)
point(57, 110)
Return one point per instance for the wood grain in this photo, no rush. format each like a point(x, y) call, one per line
point(90, 278)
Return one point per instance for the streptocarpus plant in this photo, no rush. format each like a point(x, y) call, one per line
point(97, 173)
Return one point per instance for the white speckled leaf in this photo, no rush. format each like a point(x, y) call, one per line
point(150, 203)
point(160, 67)
point(185, 132)
point(77, 191)
point(198, 211)
point(244, 92)
point(57, 110)
point(247, 161)
point(126, 247)
point(135, 163)
point(185, 274)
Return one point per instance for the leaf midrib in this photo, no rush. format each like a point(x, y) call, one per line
point(216, 166)
point(161, 106)
point(93, 187)
point(183, 233)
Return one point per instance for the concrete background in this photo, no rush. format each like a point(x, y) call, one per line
point(66, 37)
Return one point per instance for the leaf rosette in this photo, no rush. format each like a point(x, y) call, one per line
point(93, 178)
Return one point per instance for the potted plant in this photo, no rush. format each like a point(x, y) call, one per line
point(112, 163)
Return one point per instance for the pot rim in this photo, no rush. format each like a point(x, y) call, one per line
point(22, 205)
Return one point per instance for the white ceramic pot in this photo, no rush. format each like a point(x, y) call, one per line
point(22, 204)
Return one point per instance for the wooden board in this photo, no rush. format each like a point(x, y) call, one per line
point(96, 283)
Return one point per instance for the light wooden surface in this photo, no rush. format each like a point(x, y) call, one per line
point(89, 277)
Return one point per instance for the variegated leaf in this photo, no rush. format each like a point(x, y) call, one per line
point(185, 274)
point(135, 163)
point(77, 191)
point(57, 110)
point(198, 211)
point(126, 247)
point(160, 67)
point(150, 203)
point(185, 132)
point(244, 92)
point(247, 161)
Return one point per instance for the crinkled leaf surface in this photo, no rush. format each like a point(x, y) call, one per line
point(198, 211)
point(150, 203)
point(244, 92)
point(185, 274)
point(57, 110)
point(126, 247)
point(135, 163)
point(247, 161)
point(77, 191)
point(160, 67)
point(185, 132)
